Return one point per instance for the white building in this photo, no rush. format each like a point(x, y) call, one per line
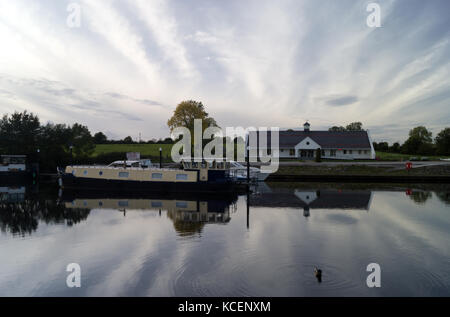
point(303, 144)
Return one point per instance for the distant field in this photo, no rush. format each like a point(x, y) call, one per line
point(144, 149)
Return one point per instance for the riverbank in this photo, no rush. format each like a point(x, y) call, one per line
point(361, 173)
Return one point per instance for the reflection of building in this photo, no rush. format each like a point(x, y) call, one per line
point(12, 194)
point(313, 199)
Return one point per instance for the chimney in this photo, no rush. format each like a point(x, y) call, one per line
point(306, 126)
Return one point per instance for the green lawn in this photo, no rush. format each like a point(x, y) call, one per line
point(144, 149)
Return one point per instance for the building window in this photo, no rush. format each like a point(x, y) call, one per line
point(181, 204)
point(345, 151)
point(181, 177)
point(332, 152)
point(350, 151)
point(292, 152)
point(359, 152)
point(156, 175)
point(269, 151)
point(123, 174)
point(307, 143)
point(323, 152)
point(156, 204)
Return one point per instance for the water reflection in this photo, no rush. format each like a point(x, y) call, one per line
point(266, 243)
point(20, 213)
point(189, 214)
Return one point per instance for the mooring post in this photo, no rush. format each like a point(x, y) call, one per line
point(248, 167)
point(248, 210)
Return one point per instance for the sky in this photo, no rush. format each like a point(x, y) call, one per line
point(253, 63)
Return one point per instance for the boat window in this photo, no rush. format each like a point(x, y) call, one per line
point(100, 173)
point(182, 177)
point(203, 164)
point(123, 203)
point(85, 172)
point(135, 164)
point(194, 165)
point(181, 204)
point(210, 164)
point(157, 175)
point(123, 174)
point(220, 166)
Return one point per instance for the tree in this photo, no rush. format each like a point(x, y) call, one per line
point(354, 126)
point(82, 141)
point(128, 140)
point(185, 114)
point(337, 129)
point(19, 133)
point(100, 138)
point(419, 142)
point(442, 141)
point(395, 148)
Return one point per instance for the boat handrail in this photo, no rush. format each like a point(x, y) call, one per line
point(121, 167)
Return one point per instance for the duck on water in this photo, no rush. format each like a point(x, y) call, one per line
point(212, 176)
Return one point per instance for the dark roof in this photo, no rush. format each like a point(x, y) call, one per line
point(326, 139)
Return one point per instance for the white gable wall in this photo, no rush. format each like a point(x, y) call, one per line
point(307, 144)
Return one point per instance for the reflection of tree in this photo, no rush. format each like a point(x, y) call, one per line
point(420, 197)
point(23, 218)
point(185, 229)
point(182, 227)
point(444, 197)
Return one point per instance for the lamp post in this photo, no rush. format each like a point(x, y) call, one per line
point(160, 157)
point(71, 155)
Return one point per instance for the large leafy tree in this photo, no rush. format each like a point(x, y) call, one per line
point(185, 114)
point(442, 141)
point(419, 142)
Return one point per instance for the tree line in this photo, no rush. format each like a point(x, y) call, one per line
point(53, 144)
point(420, 141)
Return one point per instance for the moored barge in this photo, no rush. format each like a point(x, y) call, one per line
point(191, 177)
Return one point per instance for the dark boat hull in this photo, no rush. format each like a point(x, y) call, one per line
point(72, 182)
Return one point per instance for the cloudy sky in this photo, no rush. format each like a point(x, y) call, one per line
point(251, 62)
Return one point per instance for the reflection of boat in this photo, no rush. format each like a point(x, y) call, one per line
point(192, 177)
point(189, 212)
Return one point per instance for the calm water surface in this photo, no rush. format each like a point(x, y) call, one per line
point(266, 244)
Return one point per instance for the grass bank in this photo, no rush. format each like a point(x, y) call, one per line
point(364, 170)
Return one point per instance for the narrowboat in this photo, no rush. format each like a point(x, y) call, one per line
point(191, 177)
point(13, 170)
